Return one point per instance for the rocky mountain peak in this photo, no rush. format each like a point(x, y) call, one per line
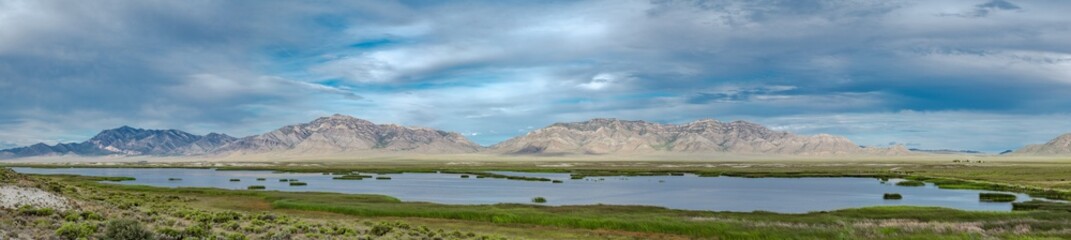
point(1056, 146)
point(339, 120)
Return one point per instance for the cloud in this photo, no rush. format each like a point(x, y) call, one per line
point(488, 67)
point(606, 80)
point(738, 94)
point(981, 10)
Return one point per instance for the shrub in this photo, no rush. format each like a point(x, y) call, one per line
point(31, 211)
point(539, 200)
point(75, 231)
point(126, 229)
point(236, 236)
point(892, 196)
point(381, 229)
point(197, 231)
point(169, 233)
point(996, 197)
point(73, 217)
point(911, 183)
point(255, 187)
point(88, 215)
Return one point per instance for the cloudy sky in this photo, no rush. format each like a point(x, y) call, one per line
point(980, 75)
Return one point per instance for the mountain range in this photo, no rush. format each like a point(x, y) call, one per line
point(605, 136)
point(345, 134)
point(333, 134)
point(1057, 146)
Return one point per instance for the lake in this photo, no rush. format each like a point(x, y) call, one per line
point(785, 195)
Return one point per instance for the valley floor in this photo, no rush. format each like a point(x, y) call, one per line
point(96, 208)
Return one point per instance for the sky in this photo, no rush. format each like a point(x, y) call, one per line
point(986, 75)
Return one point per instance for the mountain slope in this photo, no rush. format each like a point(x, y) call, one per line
point(605, 136)
point(128, 141)
point(1058, 145)
point(341, 133)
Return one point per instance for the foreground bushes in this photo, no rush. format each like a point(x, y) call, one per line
point(126, 229)
point(73, 231)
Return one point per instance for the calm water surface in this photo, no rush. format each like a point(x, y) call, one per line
point(787, 195)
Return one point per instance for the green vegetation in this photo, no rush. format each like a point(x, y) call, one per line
point(28, 210)
point(235, 180)
point(298, 184)
point(174, 179)
point(126, 229)
point(178, 213)
point(996, 197)
point(352, 177)
point(284, 180)
point(382, 178)
point(262, 179)
point(557, 181)
point(255, 187)
point(1034, 205)
point(539, 200)
point(911, 183)
point(465, 174)
point(892, 196)
point(72, 231)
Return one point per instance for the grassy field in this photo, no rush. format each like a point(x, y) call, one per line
point(356, 216)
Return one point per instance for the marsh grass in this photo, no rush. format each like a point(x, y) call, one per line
point(996, 197)
point(1034, 205)
point(911, 183)
point(352, 177)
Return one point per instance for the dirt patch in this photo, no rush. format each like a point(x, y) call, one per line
point(12, 197)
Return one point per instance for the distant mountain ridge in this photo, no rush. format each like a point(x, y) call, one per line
point(1056, 146)
point(345, 134)
point(341, 133)
point(605, 136)
point(127, 140)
